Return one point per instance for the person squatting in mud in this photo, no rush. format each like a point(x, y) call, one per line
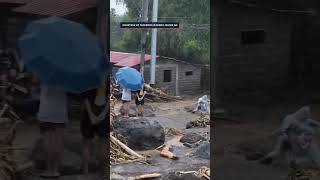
point(296, 141)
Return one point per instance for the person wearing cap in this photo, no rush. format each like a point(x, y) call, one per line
point(94, 123)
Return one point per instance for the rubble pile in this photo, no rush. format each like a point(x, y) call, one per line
point(202, 121)
point(10, 168)
point(121, 153)
point(153, 94)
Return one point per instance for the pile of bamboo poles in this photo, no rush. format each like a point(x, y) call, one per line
point(203, 172)
point(10, 168)
point(121, 153)
point(153, 94)
point(113, 113)
point(158, 95)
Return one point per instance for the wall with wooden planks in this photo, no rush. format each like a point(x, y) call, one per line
point(244, 72)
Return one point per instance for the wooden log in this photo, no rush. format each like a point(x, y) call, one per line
point(186, 172)
point(126, 148)
point(20, 88)
point(4, 109)
point(165, 152)
point(147, 176)
point(14, 114)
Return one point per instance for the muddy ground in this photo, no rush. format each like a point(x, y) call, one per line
point(168, 114)
point(256, 122)
point(172, 115)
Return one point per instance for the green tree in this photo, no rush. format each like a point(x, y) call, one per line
point(189, 43)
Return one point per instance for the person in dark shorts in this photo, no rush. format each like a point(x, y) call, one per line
point(139, 100)
point(94, 124)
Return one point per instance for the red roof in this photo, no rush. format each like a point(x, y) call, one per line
point(14, 1)
point(126, 59)
point(55, 7)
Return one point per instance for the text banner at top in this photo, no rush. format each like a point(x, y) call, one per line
point(149, 25)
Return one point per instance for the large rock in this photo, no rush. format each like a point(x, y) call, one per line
point(191, 138)
point(140, 134)
point(203, 151)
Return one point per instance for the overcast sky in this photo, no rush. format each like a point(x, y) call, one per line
point(120, 8)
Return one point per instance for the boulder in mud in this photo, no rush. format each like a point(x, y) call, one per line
point(203, 151)
point(191, 138)
point(139, 134)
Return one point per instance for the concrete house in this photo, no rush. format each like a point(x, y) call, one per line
point(261, 48)
point(175, 76)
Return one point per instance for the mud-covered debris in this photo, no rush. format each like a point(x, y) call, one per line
point(191, 138)
point(203, 121)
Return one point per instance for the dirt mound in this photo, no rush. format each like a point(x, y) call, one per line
point(139, 134)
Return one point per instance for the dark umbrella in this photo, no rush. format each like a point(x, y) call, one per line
point(64, 54)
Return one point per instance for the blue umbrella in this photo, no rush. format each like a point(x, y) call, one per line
point(64, 54)
point(129, 78)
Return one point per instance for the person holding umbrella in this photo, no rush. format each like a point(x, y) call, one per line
point(53, 117)
point(131, 80)
point(126, 100)
point(67, 58)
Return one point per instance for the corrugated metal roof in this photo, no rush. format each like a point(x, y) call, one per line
point(126, 59)
point(55, 7)
point(14, 1)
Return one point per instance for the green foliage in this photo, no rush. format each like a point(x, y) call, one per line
point(190, 43)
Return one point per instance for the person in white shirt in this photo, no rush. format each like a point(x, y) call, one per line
point(126, 99)
point(53, 117)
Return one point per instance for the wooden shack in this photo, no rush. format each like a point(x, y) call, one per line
point(174, 76)
point(264, 49)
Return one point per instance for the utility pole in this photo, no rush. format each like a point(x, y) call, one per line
point(154, 44)
point(144, 18)
point(102, 21)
